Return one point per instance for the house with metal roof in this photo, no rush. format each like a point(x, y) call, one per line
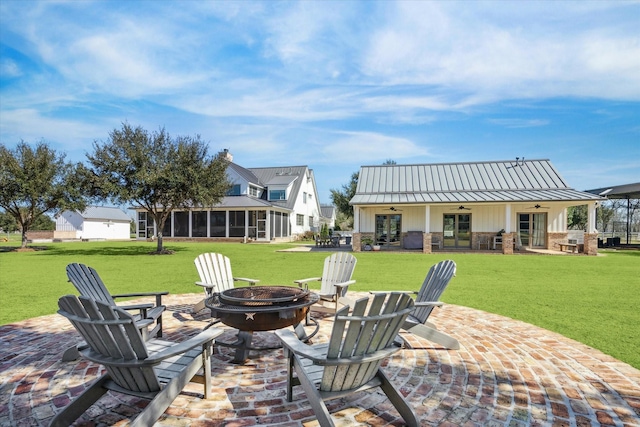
point(511, 205)
point(95, 222)
point(264, 204)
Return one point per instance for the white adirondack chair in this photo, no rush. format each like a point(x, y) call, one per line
point(148, 315)
point(215, 276)
point(427, 299)
point(350, 361)
point(335, 281)
point(155, 369)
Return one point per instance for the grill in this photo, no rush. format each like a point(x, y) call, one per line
point(259, 308)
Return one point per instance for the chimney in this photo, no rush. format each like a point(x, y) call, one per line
point(226, 155)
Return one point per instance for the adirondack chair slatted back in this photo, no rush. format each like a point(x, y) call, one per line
point(110, 331)
point(433, 286)
point(88, 283)
point(338, 268)
point(215, 269)
point(361, 334)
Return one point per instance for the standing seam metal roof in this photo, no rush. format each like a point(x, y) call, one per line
point(497, 181)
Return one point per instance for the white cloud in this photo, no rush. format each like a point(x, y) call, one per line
point(519, 123)
point(434, 43)
point(9, 68)
point(370, 147)
point(31, 126)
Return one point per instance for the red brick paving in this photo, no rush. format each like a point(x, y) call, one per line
point(506, 373)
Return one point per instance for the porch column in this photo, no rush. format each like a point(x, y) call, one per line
point(245, 238)
point(591, 217)
point(427, 219)
point(356, 236)
point(426, 239)
point(591, 236)
point(507, 238)
point(226, 221)
point(507, 218)
point(267, 228)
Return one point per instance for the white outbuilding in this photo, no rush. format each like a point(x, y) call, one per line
point(95, 223)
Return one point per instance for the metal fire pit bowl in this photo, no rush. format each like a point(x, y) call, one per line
point(261, 308)
point(263, 296)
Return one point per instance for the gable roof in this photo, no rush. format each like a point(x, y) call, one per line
point(245, 174)
point(283, 176)
point(498, 181)
point(327, 211)
point(104, 213)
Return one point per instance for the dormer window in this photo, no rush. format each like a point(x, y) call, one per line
point(277, 195)
point(235, 190)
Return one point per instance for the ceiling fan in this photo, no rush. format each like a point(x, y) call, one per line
point(394, 209)
point(538, 206)
point(462, 208)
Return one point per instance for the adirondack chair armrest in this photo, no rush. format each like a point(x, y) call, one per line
point(141, 294)
point(398, 292)
point(244, 279)
point(155, 359)
point(158, 295)
point(371, 357)
point(303, 281)
point(202, 338)
point(142, 306)
point(205, 285)
point(143, 323)
point(429, 304)
point(341, 286)
point(293, 344)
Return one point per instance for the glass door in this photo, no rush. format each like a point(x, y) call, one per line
point(388, 228)
point(532, 230)
point(457, 231)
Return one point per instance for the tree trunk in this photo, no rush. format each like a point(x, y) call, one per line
point(159, 247)
point(24, 238)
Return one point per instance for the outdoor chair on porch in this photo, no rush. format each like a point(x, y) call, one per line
point(483, 241)
point(156, 369)
point(335, 281)
point(350, 362)
point(215, 276)
point(148, 317)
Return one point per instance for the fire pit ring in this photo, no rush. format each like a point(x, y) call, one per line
point(261, 308)
point(262, 295)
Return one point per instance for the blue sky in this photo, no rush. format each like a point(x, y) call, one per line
point(334, 84)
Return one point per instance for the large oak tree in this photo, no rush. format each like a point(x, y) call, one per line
point(37, 181)
point(156, 172)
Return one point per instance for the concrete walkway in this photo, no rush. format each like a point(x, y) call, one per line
point(507, 373)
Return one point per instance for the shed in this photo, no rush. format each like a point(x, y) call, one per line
point(95, 222)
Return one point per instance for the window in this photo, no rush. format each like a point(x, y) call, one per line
point(235, 190)
point(218, 223)
point(253, 191)
point(236, 223)
point(199, 224)
point(311, 221)
point(299, 219)
point(277, 195)
point(304, 197)
point(181, 224)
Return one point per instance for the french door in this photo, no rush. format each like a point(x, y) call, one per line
point(457, 231)
point(532, 230)
point(388, 229)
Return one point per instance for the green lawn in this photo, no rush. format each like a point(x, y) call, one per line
point(594, 300)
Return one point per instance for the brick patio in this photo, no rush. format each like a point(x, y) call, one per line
point(507, 373)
